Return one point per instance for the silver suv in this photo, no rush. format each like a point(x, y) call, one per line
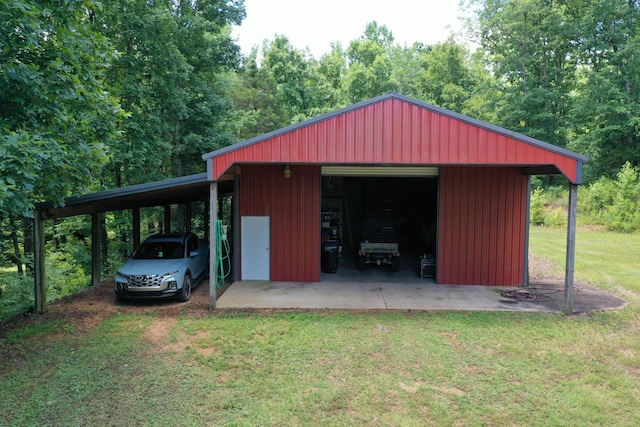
point(164, 266)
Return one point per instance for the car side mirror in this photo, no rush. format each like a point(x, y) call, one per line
point(193, 254)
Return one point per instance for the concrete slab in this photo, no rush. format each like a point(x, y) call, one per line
point(410, 295)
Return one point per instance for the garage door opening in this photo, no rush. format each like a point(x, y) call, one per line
point(364, 212)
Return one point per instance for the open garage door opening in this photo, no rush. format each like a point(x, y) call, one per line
point(379, 228)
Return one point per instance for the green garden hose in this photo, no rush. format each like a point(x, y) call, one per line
point(223, 260)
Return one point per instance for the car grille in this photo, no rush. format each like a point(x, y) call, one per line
point(147, 281)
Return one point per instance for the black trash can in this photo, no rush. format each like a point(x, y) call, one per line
point(330, 256)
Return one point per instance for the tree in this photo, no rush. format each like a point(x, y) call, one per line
point(606, 108)
point(446, 80)
point(529, 47)
point(407, 67)
point(300, 86)
point(369, 64)
point(170, 77)
point(56, 120)
point(331, 70)
point(257, 110)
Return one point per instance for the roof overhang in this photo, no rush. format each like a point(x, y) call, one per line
point(166, 192)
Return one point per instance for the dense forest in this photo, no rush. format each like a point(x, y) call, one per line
point(98, 95)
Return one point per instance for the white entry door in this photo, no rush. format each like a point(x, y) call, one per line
point(254, 252)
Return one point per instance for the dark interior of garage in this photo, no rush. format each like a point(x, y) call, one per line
point(400, 210)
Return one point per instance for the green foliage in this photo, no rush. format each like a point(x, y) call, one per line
point(536, 208)
point(446, 79)
point(170, 77)
point(16, 293)
point(624, 213)
point(556, 218)
point(65, 275)
point(547, 205)
point(257, 110)
point(614, 203)
point(369, 65)
point(294, 75)
point(605, 103)
point(56, 120)
point(567, 73)
point(529, 49)
point(119, 241)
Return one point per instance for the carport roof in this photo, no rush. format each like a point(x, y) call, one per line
point(394, 129)
point(159, 193)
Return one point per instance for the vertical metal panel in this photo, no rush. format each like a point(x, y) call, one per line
point(294, 207)
point(481, 227)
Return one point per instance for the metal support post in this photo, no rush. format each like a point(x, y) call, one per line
point(571, 249)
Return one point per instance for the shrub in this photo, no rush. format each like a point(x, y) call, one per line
point(546, 207)
point(555, 218)
point(595, 199)
point(623, 214)
point(17, 294)
point(64, 275)
point(536, 213)
point(613, 203)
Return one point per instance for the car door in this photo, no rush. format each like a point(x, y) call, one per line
point(193, 261)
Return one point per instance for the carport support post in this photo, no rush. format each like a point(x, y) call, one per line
point(38, 264)
point(167, 219)
point(187, 217)
point(213, 256)
point(96, 243)
point(135, 229)
point(571, 249)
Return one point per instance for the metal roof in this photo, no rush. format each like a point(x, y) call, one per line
point(395, 95)
point(396, 130)
point(169, 191)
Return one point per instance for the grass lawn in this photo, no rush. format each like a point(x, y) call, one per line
point(604, 259)
point(339, 368)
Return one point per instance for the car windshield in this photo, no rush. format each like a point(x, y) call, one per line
point(160, 250)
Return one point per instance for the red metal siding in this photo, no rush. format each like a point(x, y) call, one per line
point(394, 131)
point(293, 205)
point(482, 226)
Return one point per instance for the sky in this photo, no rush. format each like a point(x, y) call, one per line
point(316, 24)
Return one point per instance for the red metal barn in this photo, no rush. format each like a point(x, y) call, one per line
point(460, 186)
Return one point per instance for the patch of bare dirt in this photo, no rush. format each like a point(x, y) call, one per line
point(541, 268)
point(84, 311)
point(158, 334)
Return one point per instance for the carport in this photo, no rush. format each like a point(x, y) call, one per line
point(182, 191)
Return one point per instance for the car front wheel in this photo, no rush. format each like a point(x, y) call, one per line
point(185, 292)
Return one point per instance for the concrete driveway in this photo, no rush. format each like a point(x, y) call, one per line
point(416, 294)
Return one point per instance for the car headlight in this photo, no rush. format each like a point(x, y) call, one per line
point(169, 275)
point(170, 280)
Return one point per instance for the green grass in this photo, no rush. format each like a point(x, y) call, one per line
point(605, 259)
point(343, 368)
